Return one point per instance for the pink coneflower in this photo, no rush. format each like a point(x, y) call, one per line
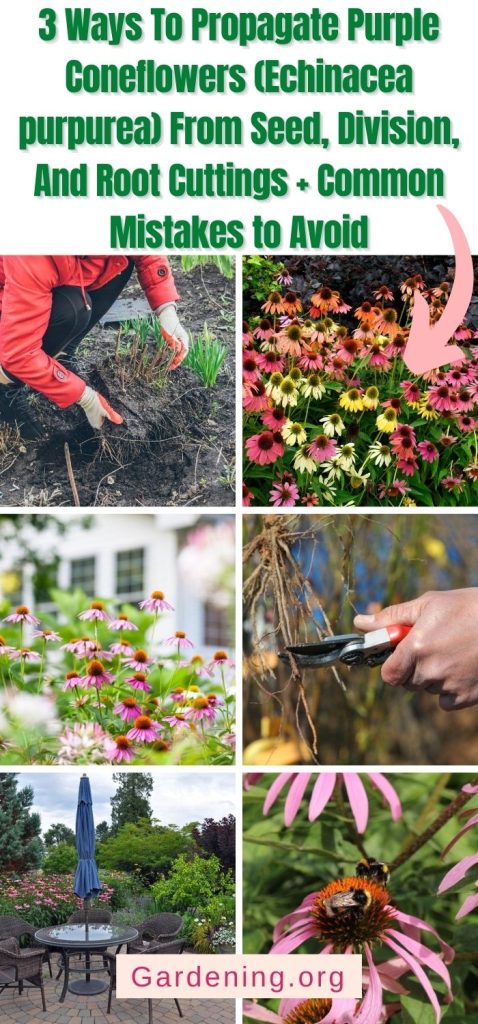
point(457, 376)
point(440, 397)
point(255, 397)
point(177, 721)
point(310, 359)
point(22, 614)
point(122, 622)
point(196, 665)
point(348, 349)
point(264, 447)
point(398, 345)
point(139, 661)
point(264, 330)
point(323, 790)
point(458, 872)
point(123, 648)
point(403, 441)
point(464, 400)
point(139, 682)
point(322, 448)
point(179, 640)
point(5, 649)
point(467, 424)
point(378, 356)
point(408, 466)
point(119, 749)
point(24, 654)
point(397, 489)
point(72, 680)
point(310, 500)
point(84, 740)
point(221, 658)
point(383, 293)
point(453, 483)
point(342, 306)
point(128, 709)
point(96, 675)
point(376, 924)
point(156, 602)
point(284, 494)
point(48, 635)
point(200, 709)
point(412, 284)
point(82, 648)
point(270, 362)
point(145, 729)
point(246, 334)
point(250, 369)
point(462, 333)
point(284, 278)
point(247, 496)
point(274, 418)
point(95, 613)
point(411, 391)
point(428, 451)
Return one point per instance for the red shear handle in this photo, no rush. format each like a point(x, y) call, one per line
point(397, 633)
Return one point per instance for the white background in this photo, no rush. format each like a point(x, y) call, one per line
point(32, 83)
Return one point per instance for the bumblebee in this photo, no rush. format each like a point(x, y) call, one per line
point(375, 870)
point(350, 903)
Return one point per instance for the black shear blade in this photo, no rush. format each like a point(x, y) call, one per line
point(321, 653)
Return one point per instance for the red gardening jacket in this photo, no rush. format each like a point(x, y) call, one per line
point(26, 284)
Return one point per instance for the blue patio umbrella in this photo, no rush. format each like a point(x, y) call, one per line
point(87, 883)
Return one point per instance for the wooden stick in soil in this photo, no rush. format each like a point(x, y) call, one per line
point(71, 476)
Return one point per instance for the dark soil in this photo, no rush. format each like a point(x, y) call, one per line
point(176, 446)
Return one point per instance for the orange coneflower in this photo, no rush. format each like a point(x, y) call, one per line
point(366, 313)
point(386, 322)
point(292, 303)
point(274, 304)
point(324, 301)
point(289, 341)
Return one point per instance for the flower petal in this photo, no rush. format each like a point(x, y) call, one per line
point(294, 796)
point(273, 792)
point(258, 1012)
point(457, 873)
point(372, 1004)
point(358, 799)
point(470, 823)
point(418, 972)
point(424, 955)
point(387, 791)
point(321, 793)
point(413, 925)
point(293, 939)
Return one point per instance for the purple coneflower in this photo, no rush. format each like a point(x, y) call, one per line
point(122, 622)
point(82, 648)
point(22, 614)
point(284, 493)
point(156, 602)
point(428, 451)
point(177, 721)
point(72, 680)
point(95, 613)
point(48, 635)
point(26, 654)
point(458, 872)
point(179, 640)
point(221, 658)
point(377, 923)
point(200, 708)
point(139, 682)
point(139, 661)
point(119, 749)
point(323, 790)
point(96, 674)
point(128, 709)
point(145, 729)
point(122, 647)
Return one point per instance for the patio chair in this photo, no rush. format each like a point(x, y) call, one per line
point(18, 966)
point(152, 947)
point(158, 927)
point(12, 927)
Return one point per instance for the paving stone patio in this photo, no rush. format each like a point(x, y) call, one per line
point(26, 1009)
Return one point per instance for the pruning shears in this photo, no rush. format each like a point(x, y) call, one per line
point(351, 648)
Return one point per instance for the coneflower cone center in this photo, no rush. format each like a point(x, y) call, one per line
point(309, 1012)
point(352, 926)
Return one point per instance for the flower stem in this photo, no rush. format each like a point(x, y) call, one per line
point(413, 845)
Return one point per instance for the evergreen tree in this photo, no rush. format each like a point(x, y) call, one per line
point(21, 848)
point(59, 833)
point(131, 801)
point(102, 832)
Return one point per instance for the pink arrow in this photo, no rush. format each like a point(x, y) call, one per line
point(427, 347)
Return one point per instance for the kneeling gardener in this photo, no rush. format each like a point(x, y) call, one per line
point(48, 304)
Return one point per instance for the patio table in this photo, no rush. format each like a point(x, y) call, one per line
point(72, 939)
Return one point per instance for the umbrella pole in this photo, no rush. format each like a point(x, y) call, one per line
point(87, 907)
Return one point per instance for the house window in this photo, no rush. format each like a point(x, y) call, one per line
point(217, 627)
point(83, 575)
point(130, 574)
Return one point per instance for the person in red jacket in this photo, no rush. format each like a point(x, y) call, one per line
point(48, 304)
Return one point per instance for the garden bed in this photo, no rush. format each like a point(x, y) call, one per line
point(176, 446)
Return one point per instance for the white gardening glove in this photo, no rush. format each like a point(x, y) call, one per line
point(97, 409)
point(173, 332)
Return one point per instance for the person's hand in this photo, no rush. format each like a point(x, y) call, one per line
point(173, 333)
point(97, 409)
point(440, 653)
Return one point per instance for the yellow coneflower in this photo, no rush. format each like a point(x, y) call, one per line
point(293, 433)
point(387, 421)
point(371, 398)
point(314, 386)
point(351, 400)
point(426, 411)
point(333, 425)
point(288, 393)
point(303, 462)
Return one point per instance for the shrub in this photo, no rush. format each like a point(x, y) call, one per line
point(61, 859)
point(143, 850)
point(192, 884)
